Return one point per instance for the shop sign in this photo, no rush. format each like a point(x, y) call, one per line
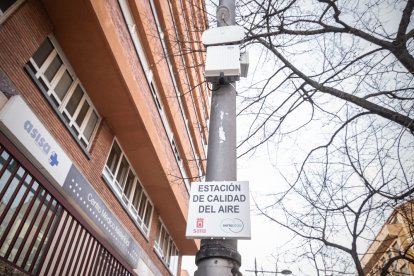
point(85, 196)
point(219, 210)
point(23, 124)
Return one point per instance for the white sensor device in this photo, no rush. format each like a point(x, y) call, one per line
point(223, 35)
point(223, 63)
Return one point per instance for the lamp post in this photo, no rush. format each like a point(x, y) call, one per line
point(220, 256)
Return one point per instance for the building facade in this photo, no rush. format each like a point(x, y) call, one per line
point(103, 125)
point(393, 248)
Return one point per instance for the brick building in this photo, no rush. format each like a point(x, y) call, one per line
point(103, 123)
point(393, 245)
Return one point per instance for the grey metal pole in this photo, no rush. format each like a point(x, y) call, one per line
point(219, 257)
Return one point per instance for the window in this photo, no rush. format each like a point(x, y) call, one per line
point(169, 132)
point(62, 88)
point(158, 100)
point(124, 182)
point(178, 95)
point(175, 149)
point(166, 249)
point(7, 7)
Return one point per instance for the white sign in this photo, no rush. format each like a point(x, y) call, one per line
point(18, 119)
point(219, 210)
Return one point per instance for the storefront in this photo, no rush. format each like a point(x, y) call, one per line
point(42, 231)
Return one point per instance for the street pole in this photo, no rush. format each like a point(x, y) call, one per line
point(219, 257)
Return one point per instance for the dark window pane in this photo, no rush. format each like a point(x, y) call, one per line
point(75, 130)
point(177, 154)
point(74, 100)
point(142, 206)
point(53, 68)
point(137, 195)
point(43, 84)
point(63, 85)
point(165, 244)
point(67, 119)
point(154, 94)
point(31, 68)
point(43, 52)
point(161, 235)
point(113, 157)
point(5, 4)
point(82, 113)
point(159, 229)
point(148, 214)
point(129, 183)
point(83, 143)
point(55, 102)
point(90, 126)
point(122, 172)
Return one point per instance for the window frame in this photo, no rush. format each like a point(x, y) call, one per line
point(178, 97)
point(132, 28)
point(4, 15)
point(60, 106)
point(163, 239)
point(127, 201)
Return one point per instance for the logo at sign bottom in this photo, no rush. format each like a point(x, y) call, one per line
point(229, 225)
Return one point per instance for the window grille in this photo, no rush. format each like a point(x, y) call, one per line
point(39, 236)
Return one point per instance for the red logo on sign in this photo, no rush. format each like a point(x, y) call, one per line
point(200, 223)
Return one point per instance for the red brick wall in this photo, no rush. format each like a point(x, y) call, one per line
point(20, 36)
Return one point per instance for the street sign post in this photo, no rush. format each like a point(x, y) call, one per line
point(219, 209)
point(218, 256)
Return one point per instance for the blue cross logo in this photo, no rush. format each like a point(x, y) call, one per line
point(53, 160)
